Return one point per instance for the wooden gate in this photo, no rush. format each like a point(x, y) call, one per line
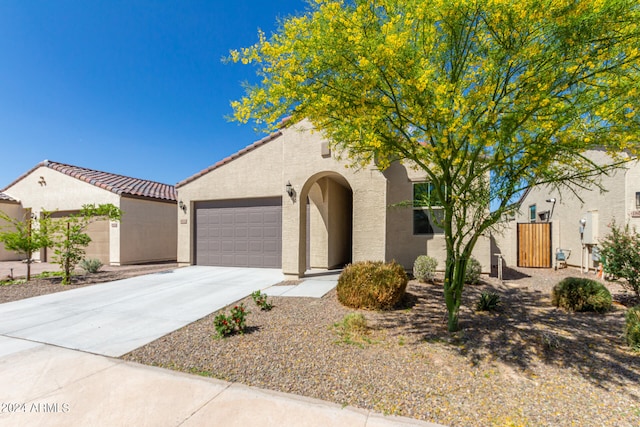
point(534, 245)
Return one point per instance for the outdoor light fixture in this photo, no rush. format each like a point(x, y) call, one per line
point(182, 206)
point(289, 189)
point(551, 200)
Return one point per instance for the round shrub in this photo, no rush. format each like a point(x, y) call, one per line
point(424, 268)
point(632, 327)
point(372, 285)
point(581, 294)
point(473, 271)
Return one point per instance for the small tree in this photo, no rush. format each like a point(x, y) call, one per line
point(70, 239)
point(621, 255)
point(462, 90)
point(21, 237)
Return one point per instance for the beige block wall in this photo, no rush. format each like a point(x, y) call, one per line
point(379, 231)
point(402, 244)
point(296, 157)
point(600, 209)
point(13, 210)
point(148, 231)
point(254, 175)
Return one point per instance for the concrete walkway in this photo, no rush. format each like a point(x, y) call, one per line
point(116, 317)
point(45, 382)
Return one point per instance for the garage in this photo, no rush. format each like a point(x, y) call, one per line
point(239, 233)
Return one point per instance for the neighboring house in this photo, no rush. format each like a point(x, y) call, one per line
point(550, 221)
point(147, 231)
point(12, 208)
point(287, 202)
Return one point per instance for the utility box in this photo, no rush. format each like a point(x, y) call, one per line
point(590, 230)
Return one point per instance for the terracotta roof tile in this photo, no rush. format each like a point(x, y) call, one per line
point(119, 184)
point(7, 197)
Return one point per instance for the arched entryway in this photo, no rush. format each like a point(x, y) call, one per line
point(327, 201)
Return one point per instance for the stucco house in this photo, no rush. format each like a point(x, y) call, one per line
point(12, 208)
point(288, 202)
point(147, 231)
point(550, 221)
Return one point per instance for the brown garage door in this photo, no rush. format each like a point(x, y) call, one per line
point(239, 233)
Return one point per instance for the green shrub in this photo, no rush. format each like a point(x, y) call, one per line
point(581, 294)
point(632, 327)
point(235, 322)
point(91, 265)
point(424, 268)
point(473, 271)
point(372, 285)
point(261, 301)
point(621, 255)
point(488, 301)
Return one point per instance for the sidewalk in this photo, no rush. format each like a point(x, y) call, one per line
point(45, 385)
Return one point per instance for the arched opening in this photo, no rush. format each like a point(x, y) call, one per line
point(328, 200)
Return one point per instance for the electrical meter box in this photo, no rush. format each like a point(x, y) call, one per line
point(590, 230)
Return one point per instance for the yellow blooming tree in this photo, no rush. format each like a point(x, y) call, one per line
point(487, 97)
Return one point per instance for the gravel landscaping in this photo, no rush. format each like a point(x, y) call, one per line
point(528, 364)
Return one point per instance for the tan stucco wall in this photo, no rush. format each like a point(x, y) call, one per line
point(148, 231)
point(295, 157)
point(149, 226)
point(402, 244)
point(13, 210)
point(379, 232)
point(599, 209)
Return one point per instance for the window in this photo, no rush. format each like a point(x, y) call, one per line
point(637, 200)
point(426, 209)
point(532, 213)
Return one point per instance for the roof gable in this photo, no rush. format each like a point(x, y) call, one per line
point(232, 157)
point(118, 184)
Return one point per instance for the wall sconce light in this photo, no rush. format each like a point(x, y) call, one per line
point(42, 182)
point(182, 206)
point(290, 191)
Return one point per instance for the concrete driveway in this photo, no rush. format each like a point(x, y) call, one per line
point(114, 318)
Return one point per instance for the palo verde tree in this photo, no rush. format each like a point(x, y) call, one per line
point(22, 237)
point(70, 239)
point(487, 97)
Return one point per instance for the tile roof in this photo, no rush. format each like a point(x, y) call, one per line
point(231, 157)
point(118, 184)
point(7, 197)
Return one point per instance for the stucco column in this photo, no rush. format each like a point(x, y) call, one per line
point(293, 237)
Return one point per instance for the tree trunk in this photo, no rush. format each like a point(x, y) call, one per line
point(453, 285)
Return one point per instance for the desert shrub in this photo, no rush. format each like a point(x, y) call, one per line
point(235, 322)
point(473, 271)
point(91, 265)
point(260, 299)
point(581, 294)
point(353, 329)
point(488, 301)
point(424, 268)
point(621, 255)
point(632, 327)
point(372, 285)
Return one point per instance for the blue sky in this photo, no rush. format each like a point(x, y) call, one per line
point(130, 87)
